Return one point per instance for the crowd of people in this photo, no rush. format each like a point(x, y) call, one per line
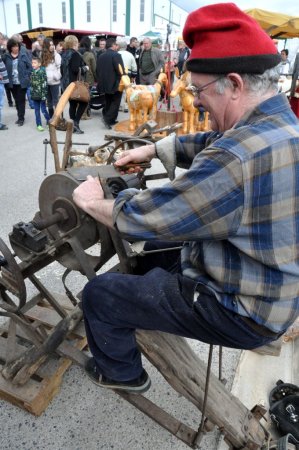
point(40, 74)
point(101, 65)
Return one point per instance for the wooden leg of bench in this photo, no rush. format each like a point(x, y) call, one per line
point(186, 373)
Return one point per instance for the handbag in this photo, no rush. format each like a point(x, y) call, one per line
point(81, 91)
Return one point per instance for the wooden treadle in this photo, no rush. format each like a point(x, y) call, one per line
point(42, 387)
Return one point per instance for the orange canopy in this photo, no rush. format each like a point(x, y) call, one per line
point(276, 24)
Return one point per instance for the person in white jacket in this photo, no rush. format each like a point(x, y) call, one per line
point(51, 60)
point(130, 67)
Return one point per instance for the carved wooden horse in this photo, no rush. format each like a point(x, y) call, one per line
point(190, 113)
point(142, 100)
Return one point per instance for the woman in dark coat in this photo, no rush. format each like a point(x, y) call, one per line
point(72, 64)
point(90, 62)
point(18, 65)
point(89, 59)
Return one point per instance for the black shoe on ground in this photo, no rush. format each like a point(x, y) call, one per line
point(106, 125)
point(77, 129)
point(114, 122)
point(136, 386)
point(17, 122)
point(3, 127)
point(20, 123)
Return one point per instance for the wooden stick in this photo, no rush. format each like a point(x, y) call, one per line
point(62, 103)
point(54, 147)
point(68, 144)
point(20, 370)
point(54, 121)
point(142, 165)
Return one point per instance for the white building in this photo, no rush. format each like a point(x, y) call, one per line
point(126, 17)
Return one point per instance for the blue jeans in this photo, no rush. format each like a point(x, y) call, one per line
point(40, 106)
point(30, 101)
point(115, 304)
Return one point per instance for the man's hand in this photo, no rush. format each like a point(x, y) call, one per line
point(89, 196)
point(88, 193)
point(137, 155)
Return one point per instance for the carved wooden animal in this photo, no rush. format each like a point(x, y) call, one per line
point(142, 100)
point(191, 123)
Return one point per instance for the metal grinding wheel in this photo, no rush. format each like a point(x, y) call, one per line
point(55, 194)
point(11, 277)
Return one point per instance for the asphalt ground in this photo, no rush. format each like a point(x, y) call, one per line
point(82, 415)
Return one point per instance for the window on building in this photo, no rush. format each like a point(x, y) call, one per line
point(88, 11)
point(63, 10)
point(18, 13)
point(114, 11)
point(141, 18)
point(40, 12)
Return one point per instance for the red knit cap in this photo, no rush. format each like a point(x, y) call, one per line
point(224, 39)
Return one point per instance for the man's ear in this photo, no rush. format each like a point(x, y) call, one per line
point(237, 84)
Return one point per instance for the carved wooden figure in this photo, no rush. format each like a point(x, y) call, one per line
point(142, 100)
point(191, 123)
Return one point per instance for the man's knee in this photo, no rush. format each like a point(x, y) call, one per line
point(94, 291)
point(103, 290)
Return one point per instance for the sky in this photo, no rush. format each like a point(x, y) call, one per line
point(285, 6)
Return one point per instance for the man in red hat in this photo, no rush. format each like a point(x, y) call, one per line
point(234, 212)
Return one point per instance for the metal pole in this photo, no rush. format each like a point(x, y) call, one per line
point(46, 145)
point(168, 64)
point(111, 15)
point(4, 15)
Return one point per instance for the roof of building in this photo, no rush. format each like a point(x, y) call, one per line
point(58, 34)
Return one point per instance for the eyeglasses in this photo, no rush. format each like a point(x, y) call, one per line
point(196, 91)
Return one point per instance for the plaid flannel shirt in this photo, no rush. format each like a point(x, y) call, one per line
point(236, 208)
